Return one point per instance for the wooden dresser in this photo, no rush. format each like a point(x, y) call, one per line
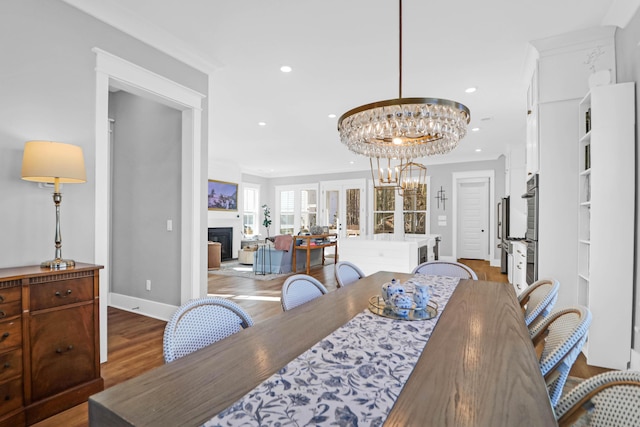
point(49, 341)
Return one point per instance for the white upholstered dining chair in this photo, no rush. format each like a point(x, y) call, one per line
point(201, 322)
point(607, 399)
point(347, 273)
point(559, 339)
point(537, 301)
point(446, 268)
point(300, 288)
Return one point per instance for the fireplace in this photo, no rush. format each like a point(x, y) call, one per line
point(224, 235)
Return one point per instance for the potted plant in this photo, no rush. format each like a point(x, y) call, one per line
point(267, 218)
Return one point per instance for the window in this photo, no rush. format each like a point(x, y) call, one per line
point(415, 211)
point(389, 208)
point(384, 209)
point(297, 208)
point(308, 209)
point(287, 212)
point(251, 210)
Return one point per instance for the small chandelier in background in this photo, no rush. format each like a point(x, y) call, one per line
point(401, 130)
point(412, 177)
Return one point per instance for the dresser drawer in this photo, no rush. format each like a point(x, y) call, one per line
point(10, 334)
point(10, 302)
point(10, 395)
point(63, 353)
point(10, 365)
point(61, 292)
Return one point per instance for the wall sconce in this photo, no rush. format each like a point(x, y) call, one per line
point(441, 198)
point(45, 161)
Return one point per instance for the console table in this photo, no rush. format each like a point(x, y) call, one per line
point(49, 341)
point(309, 246)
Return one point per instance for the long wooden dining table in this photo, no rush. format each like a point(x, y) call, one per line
point(479, 367)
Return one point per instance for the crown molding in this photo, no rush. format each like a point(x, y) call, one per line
point(145, 31)
point(621, 12)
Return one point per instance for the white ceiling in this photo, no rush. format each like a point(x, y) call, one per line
point(344, 53)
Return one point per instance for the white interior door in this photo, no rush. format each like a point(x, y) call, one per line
point(473, 218)
point(342, 206)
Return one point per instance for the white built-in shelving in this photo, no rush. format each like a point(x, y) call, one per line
point(606, 202)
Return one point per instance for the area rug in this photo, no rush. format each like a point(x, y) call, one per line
point(234, 268)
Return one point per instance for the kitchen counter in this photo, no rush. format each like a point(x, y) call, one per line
point(387, 252)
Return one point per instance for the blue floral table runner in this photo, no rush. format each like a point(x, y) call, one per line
point(352, 377)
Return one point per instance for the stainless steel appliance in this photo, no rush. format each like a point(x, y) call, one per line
point(503, 234)
point(531, 236)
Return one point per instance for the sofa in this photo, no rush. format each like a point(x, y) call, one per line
point(277, 254)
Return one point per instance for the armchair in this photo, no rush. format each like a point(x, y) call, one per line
point(273, 258)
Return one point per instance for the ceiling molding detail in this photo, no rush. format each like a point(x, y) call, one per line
point(145, 31)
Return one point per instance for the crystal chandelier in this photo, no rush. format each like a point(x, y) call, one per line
point(396, 131)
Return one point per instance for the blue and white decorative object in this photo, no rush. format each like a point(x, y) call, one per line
point(421, 295)
point(391, 288)
point(401, 304)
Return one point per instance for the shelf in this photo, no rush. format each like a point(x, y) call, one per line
point(603, 274)
point(585, 138)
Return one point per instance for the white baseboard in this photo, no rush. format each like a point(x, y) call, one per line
point(495, 263)
point(154, 309)
point(447, 258)
point(635, 360)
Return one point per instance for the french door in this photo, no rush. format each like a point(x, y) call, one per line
point(342, 206)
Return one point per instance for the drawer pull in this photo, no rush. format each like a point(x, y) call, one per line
point(60, 350)
point(4, 336)
point(7, 398)
point(2, 313)
point(59, 294)
point(7, 365)
point(1, 298)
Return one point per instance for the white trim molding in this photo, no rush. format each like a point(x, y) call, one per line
point(154, 309)
point(458, 176)
point(112, 71)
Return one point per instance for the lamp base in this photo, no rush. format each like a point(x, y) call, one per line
point(58, 264)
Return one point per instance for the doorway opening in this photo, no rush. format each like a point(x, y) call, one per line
point(113, 72)
point(480, 186)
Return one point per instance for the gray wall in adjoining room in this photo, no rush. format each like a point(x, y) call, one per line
point(441, 176)
point(48, 86)
point(146, 193)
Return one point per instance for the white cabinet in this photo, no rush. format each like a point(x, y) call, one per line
point(519, 253)
point(606, 197)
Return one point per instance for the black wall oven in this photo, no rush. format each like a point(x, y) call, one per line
point(531, 236)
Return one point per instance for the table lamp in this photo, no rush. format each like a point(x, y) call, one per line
point(57, 163)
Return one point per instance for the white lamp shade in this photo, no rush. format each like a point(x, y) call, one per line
point(43, 161)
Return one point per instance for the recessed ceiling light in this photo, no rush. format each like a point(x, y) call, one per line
point(332, 116)
point(351, 162)
point(285, 69)
point(262, 123)
point(478, 150)
point(475, 129)
point(470, 89)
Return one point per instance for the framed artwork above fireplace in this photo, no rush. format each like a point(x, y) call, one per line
point(222, 196)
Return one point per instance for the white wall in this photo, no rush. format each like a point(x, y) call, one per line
point(628, 66)
point(48, 92)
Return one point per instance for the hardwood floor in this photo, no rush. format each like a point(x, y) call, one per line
point(135, 341)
